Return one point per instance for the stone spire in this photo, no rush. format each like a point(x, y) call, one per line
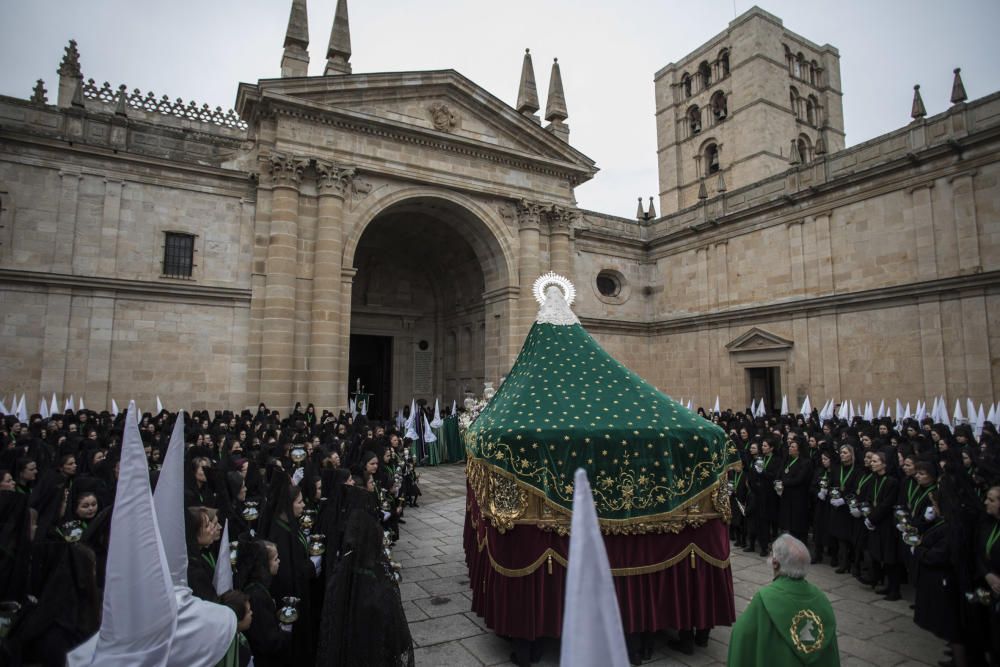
point(794, 157)
point(639, 213)
point(38, 93)
point(702, 190)
point(69, 75)
point(555, 105)
point(338, 53)
point(651, 214)
point(720, 186)
point(295, 59)
point(527, 93)
point(958, 88)
point(918, 110)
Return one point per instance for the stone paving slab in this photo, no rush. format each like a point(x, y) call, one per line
point(437, 600)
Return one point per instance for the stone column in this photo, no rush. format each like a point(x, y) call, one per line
point(347, 274)
point(277, 331)
point(333, 183)
point(528, 263)
point(922, 215)
point(560, 221)
point(966, 228)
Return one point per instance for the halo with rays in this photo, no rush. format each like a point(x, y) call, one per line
point(553, 278)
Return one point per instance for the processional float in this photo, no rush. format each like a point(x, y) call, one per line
point(657, 470)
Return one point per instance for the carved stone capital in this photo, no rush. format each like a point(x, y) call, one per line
point(335, 180)
point(287, 171)
point(529, 214)
point(561, 219)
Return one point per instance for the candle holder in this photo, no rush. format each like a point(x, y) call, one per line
point(779, 486)
point(865, 508)
point(8, 612)
point(981, 596)
point(758, 465)
point(72, 531)
point(307, 520)
point(835, 493)
point(250, 511)
point(298, 454)
point(289, 612)
point(911, 537)
point(317, 544)
point(824, 484)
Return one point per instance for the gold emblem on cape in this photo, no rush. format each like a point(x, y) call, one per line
point(807, 631)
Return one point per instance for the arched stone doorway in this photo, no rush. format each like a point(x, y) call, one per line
point(430, 303)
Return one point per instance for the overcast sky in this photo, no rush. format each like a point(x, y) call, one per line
point(609, 51)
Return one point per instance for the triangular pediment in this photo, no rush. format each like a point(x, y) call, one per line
point(442, 106)
point(758, 339)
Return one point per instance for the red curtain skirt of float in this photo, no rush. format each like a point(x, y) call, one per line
point(663, 581)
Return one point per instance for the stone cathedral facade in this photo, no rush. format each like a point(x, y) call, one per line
point(386, 228)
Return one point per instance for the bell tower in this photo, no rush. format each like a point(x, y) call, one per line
point(745, 105)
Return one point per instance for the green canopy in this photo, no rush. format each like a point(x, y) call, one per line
point(568, 404)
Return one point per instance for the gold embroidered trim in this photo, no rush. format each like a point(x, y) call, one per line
point(531, 506)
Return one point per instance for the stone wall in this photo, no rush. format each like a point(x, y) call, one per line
point(83, 215)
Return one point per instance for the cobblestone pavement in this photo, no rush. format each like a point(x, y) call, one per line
point(437, 599)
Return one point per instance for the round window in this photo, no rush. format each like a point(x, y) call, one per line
point(608, 284)
point(423, 345)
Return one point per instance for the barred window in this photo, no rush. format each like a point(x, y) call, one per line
point(178, 255)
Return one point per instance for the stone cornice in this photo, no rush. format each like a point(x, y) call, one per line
point(895, 295)
point(99, 152)
point(169, 289)
point(430, 138)
point(867, 182)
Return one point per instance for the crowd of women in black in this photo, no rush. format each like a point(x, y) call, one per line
point(312, 502)
point(913, 504)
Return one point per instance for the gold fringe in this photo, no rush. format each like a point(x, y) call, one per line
point(550, 555)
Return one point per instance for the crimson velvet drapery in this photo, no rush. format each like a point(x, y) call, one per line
point(663, 581)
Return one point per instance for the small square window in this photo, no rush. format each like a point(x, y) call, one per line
point(178, 255)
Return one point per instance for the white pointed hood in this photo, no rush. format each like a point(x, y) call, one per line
point(223, 577)
point(204, 629)
point(428, 433)
point(437, 421)
point(139, 614)
point(114, 408)
point(411, 421)
point(22, 412)
point(784, 404)
point(592, 632)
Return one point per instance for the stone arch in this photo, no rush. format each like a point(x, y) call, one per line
point(499, 243)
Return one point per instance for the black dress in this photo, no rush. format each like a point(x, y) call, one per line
point(883, 542)
point(821, 508)
point(988, 561)
point(938, 600)
point(363, 621)
point(796, 475)
point(268, 642)
point(294, 577)
point(767, 500)
point(201, 572)
point(841, 521)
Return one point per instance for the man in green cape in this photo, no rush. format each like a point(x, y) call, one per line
point(789, 621)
